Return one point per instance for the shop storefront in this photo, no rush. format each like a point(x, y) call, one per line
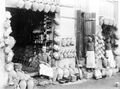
point(81, 41)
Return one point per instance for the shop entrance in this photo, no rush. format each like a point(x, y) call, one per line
point(25, 24)
point(85, 26)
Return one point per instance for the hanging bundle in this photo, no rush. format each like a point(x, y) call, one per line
point(20, 4)
point(28, 4)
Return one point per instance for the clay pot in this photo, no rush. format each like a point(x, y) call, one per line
point(97, 74)
point(56, 47)
point(2, 44)
point(103, 72)
point(35, 6)
point(71, 71)
point(52, 9)
point(66, 72)
point(47, 8)
point(9, 66)
point(109, 72)
point(10, 41)
point(7, 50)
point(28, 5)
point(9, 56)
point(23, 84)
point(7, 24)
point(60, 73)
point(41, 6)
point(57, 8)
point(73, 78)
point(8, 15)
point(30, 84)
point(20, 3)
point(56, 55)
point(9, 30)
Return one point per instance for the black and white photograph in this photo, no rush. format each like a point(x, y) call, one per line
point(60, 44)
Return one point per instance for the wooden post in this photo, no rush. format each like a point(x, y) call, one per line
point(3, 73)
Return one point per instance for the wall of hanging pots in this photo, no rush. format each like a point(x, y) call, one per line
point(68, 48)
point(7, 42)
point(37, 5)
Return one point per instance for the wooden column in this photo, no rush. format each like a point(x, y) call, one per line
point(3, 73)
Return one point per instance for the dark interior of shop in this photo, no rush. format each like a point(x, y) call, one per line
point(23, 22)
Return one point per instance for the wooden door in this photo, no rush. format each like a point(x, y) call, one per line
point(85, 26)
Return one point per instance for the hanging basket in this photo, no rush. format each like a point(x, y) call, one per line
point(35, 6)
point(20, 4)
point(41, 6)
point(47, 8)
point(28, 5)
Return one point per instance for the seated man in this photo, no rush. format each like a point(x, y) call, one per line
point(45, 64)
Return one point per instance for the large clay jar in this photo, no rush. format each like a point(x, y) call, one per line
point(28, 5)
point(30, 84)
point(23, 84)
point(20, 3)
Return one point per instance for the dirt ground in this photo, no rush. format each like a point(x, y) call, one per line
point(107, 83)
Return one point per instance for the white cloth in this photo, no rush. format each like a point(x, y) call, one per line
point(90, 61)
point(45, 70)
point(111, 61)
